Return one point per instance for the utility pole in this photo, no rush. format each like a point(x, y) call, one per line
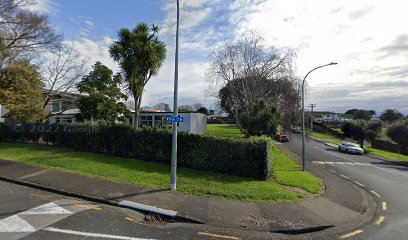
point(312, 105)
point(174, 138)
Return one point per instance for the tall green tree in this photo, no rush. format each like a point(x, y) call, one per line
point(390, 115)
point(20, 92)
point(103, 96)
point(140, 54)
point(362, 114)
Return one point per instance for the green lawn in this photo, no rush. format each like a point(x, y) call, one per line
point(225, 130)
point(388, 155)
point(287, 172)
point(156, 175)
point(320, 135)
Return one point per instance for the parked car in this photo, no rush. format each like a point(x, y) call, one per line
point(284, 138)
point(350, 148)
point(296, 130)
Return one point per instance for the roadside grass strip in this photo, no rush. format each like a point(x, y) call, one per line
point(386, 154)
point(157, 175)
point(287, 172)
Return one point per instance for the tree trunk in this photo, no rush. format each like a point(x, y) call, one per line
point(138, 102)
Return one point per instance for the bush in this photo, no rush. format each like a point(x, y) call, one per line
point(260, 119)
point(242, 157)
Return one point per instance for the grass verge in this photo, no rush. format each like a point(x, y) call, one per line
point(225, 130)
point(156, 175)
point(386, 154)
point(320, 135)
point(288, 172)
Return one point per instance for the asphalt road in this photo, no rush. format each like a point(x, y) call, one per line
point(31, 214)
point(385, 181)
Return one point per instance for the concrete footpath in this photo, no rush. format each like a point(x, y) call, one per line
point(342, 206)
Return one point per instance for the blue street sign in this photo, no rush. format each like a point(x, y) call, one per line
point(174, 119)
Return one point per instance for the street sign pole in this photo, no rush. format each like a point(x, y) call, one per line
point(174, 139)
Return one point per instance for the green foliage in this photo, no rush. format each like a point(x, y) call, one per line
point(399, 134)
point(140, 54)
point(203, 110)
point(260, 119)
point(103, 95)
point(362, 130)
point(241, 157)
point(361, 114)
point(20, 92)
point(391, 115)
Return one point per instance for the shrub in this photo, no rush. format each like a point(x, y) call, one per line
point(242, 157)
point(260, 119)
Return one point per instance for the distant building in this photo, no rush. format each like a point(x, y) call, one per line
point(62, 107)
point(194, 122)
point(325, 116)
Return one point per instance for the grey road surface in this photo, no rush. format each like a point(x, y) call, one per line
point(387, 182)
point(31, 214)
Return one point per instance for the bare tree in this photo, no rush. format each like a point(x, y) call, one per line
point(61, 72)
point(22, 32)
point(185, 108)
point(197, 106)
point(162, 107)
point(245, 72)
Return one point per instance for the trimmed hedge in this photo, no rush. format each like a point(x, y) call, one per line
point(242, 157)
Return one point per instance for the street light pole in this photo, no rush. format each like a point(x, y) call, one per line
point(303, 114)
point(312, 105)
point(175, 110)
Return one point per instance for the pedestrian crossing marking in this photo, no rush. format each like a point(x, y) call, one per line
point(15, 224)
point(49, 208)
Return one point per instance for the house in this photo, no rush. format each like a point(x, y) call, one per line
point(62, 107)
point(326, 116)
point(3, 111)
point(221, 118)
point(193, 122)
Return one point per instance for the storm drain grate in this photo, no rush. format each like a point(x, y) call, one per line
point(156, 220)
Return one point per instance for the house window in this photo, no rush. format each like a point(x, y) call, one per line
point(146, 121)
point(55, 106)
point(64, 120)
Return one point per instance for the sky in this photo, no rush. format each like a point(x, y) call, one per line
point(368, 40)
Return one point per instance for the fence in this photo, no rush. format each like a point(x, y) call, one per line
point(389, 146)
point(241, 157)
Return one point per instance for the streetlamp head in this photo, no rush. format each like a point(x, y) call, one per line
point(333, 63)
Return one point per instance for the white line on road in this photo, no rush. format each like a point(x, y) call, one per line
point(384, 206)
point(359, 184)
point(89, 234)
point(332, 171)
point(372, 165)
point(376, 194)
point(344, 176)
point(379, 220)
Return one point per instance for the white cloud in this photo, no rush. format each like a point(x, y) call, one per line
point(44, 6)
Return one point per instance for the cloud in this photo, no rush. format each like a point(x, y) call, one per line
point(44, 7)
point(361, 12)
point(398, 46)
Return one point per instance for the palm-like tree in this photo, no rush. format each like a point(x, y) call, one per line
point(140, 55)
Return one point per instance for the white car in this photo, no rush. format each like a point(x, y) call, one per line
point(350, 148)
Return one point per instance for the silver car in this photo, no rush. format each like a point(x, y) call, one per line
point(350, 148)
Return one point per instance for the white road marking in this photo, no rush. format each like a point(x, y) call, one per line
point(351, 234)
point(384, 206)
point(15, 224)
point(49, 208)
point(344, 176)
point(379, 220)
point(372, 165)
point(90, 234)
point(376, 194)
point(332, 171)
point(359, 184)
